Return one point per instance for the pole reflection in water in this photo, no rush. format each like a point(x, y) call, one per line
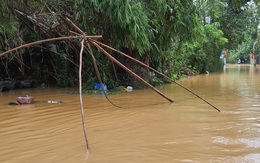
point(148, 129)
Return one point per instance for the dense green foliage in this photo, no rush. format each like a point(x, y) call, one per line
point(175, 37)
point(246, 37)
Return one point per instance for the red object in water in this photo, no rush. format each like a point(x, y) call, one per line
point(25, 99)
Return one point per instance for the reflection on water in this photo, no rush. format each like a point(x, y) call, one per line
point(148, 129)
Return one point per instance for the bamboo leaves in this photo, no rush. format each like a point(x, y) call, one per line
point(127, 18)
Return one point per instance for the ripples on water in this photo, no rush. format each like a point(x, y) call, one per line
point(148, 129)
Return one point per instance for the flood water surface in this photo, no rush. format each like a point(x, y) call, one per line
point(147, 129)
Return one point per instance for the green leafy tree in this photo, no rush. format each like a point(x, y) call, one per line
point(245, 39)
point(169, 35)
point(152, 31)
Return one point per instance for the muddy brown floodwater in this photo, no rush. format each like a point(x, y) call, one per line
point(148, 129)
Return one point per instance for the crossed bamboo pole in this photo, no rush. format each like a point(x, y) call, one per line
point(97, 43)
point(91, 39)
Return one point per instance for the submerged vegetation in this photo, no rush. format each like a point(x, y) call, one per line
point(177, 38)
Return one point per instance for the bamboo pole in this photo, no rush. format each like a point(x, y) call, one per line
point(93, 58)
point(44, 41)
point(98, 74)
point(143, 64)
point(85, 39)
point(80, 94)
